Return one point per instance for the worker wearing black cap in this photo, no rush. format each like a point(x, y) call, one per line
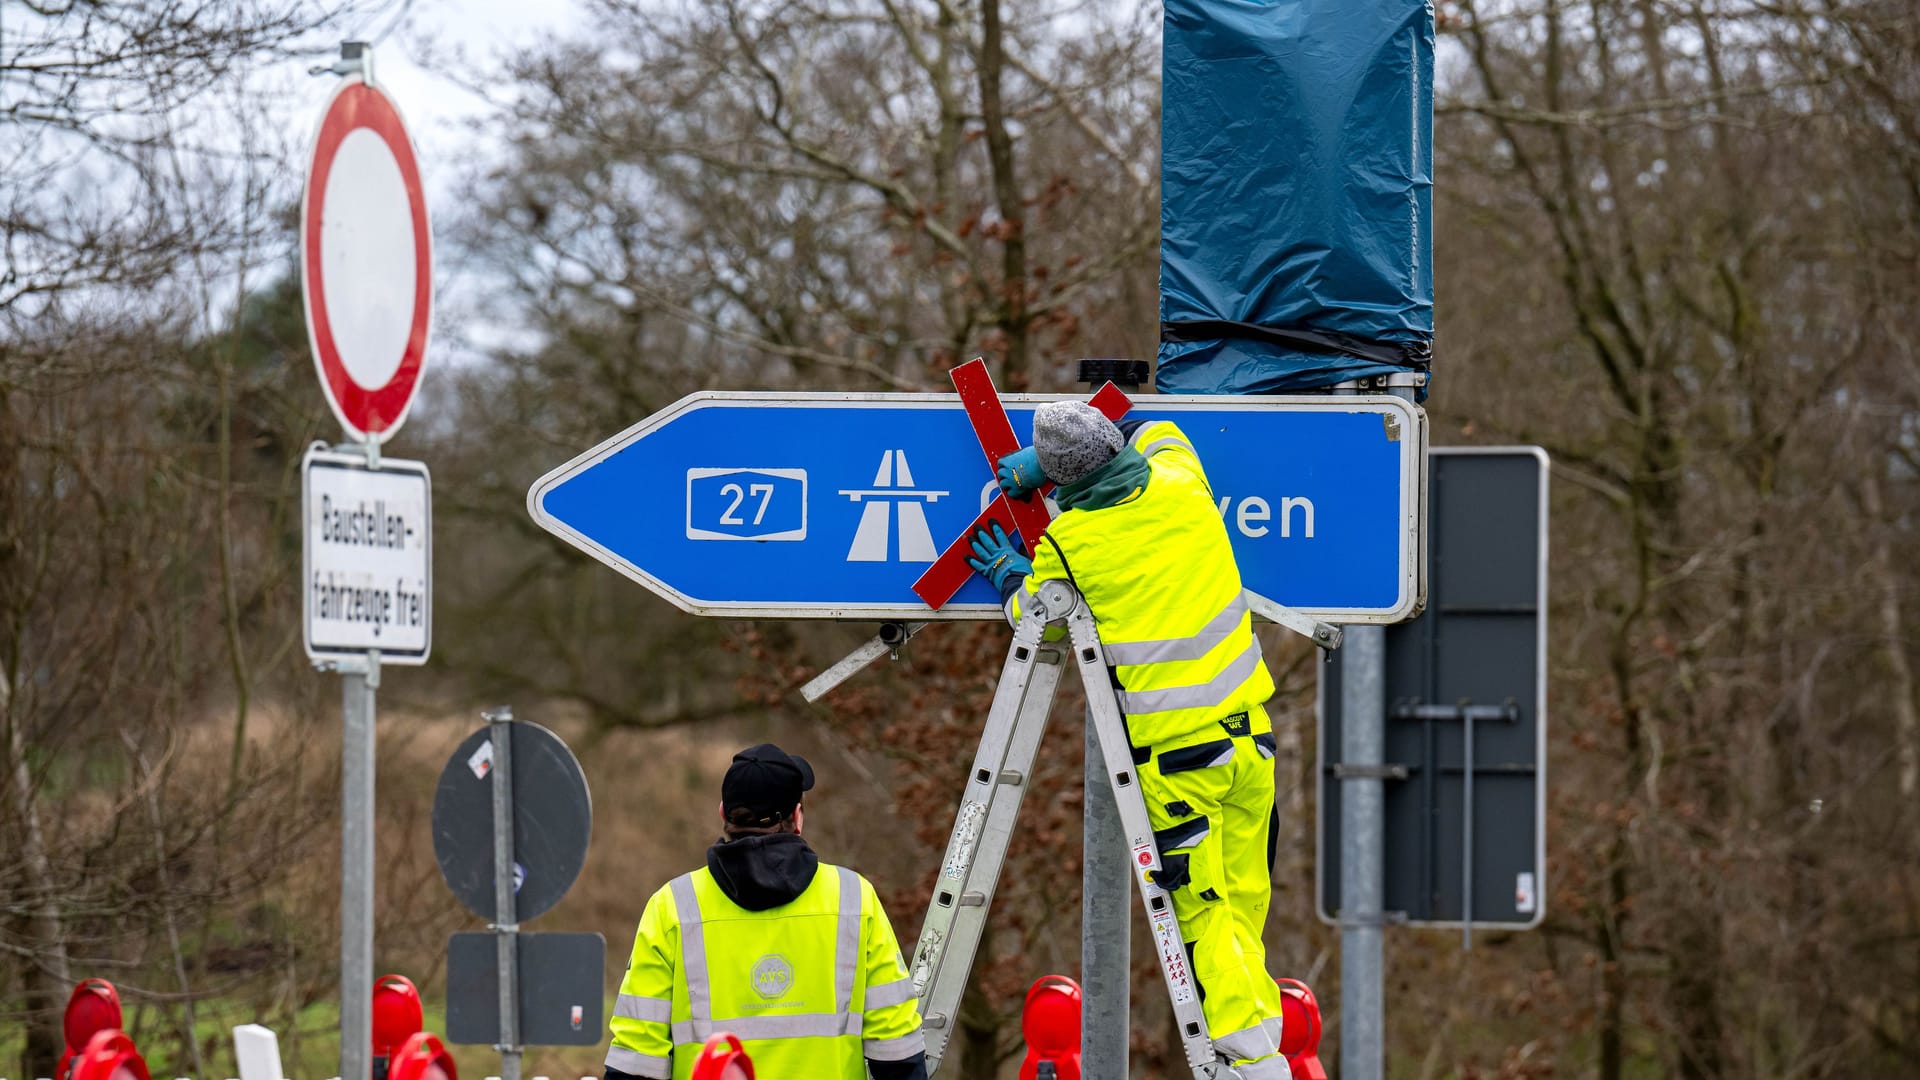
point(792, 955)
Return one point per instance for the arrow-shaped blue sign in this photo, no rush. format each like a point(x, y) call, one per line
point(831, 505)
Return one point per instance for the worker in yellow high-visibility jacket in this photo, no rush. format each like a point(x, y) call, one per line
point(1141, 538)
point(793, 955)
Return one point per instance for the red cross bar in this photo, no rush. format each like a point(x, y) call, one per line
point(1027, 518)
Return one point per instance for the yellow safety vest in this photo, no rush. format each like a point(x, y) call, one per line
point(812, 987)
point(1158, 573)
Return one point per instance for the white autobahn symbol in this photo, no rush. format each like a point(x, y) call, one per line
point(892, 487)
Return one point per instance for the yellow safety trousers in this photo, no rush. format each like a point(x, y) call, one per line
point(1210, 800)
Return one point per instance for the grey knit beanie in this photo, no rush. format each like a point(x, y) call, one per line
point(1073, 439)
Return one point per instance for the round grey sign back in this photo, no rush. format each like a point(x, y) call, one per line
point(552, 820)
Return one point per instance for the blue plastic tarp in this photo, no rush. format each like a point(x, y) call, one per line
point(1296, 192)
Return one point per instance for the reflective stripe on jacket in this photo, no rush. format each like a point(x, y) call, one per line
point(1158, 572)
point(812, 987)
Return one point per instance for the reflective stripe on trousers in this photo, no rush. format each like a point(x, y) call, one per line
point(701, 1025)
point(1273, 1068)
point(1251, 1044)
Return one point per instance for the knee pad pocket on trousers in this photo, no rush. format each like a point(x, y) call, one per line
point(1175, 872)
point(1194, 879)
point(1183, 834)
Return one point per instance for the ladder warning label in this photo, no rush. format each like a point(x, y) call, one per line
point(1173, 957)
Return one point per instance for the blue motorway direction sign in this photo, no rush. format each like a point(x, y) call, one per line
point(832, 505)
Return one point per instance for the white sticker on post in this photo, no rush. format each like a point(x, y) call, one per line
point(1523, 892)
point(482, 760)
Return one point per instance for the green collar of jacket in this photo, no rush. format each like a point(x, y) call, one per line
point(1108, 485)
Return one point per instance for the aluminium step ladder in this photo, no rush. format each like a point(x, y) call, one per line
point(999, 778)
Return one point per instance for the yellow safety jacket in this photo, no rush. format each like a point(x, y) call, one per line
point(812, 987)
point(1158, 573)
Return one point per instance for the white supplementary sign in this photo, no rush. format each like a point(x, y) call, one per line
point(367, 565)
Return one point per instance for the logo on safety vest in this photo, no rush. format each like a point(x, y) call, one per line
point(772, 976)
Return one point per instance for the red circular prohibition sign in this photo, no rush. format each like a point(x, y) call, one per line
point(371, 412)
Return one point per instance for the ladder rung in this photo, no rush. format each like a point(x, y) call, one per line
point(935, 1020)
point(1012, 777)
point(973, 899)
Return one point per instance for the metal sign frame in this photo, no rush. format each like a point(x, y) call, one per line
point(1540, 711)
point(1413, 426)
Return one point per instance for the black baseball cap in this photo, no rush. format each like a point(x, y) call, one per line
point(767, 781)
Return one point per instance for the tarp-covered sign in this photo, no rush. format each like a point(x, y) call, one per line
point(1296, 245)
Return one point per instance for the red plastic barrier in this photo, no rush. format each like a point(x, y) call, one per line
point(93, 1007)
point(397, 1013)
point(109, 1055)
point(1300, 1030)
point(1050, 1022)
point(722, 1058)
point(422, 1057)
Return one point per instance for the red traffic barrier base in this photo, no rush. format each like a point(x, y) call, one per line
point(93, 1007)
point(109, 1055)
point(397, 1013)
point(1300, 1030)
point(422, 1057)
point(1050, 1022)
point(722, 1058)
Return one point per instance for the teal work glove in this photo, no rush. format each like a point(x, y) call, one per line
point(1019, 473)
point(996, 559)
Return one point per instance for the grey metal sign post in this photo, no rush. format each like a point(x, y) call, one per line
point(512, 819)
point(500, 721)
point(359, 683)
point(1106, 872)
point(366, 535)
point(366, 588)
point(1362, 967)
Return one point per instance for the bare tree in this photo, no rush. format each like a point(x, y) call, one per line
point(1667, 172)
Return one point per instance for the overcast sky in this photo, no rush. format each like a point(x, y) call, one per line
point(423, 61)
